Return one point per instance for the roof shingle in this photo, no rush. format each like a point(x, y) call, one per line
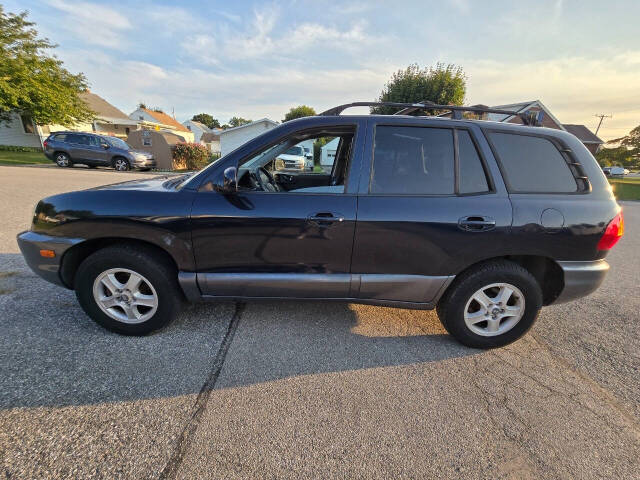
point(165, 119)
point(101, 106)
point(583, 133)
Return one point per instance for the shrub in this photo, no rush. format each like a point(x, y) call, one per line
point(13, 148)
point(190, 156)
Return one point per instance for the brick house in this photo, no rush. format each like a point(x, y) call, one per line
point(590, 140)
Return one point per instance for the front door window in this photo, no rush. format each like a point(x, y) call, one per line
point(311, 162)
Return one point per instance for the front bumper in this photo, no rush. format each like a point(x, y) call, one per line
point(144, 163)
point(581, 279)
point(31, 243)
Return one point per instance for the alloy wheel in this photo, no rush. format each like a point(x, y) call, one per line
point(125, 295)
point(121, 165)
point(494, 309)
point(62, 160)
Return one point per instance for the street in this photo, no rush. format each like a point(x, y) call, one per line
point(309, 389)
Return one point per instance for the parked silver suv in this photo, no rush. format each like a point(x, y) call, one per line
point(68, 148)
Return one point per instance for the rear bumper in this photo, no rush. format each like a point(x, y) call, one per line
point(31, 243)
point(581, 279)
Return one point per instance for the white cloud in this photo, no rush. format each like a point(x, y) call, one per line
point(93, 23)
point(262, 37)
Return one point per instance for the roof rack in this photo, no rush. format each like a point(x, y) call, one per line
point(528, 117)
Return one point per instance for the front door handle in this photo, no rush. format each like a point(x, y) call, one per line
point(325, 219)
point(476, 223)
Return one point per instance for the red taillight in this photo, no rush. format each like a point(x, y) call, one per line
point(44, 144)
point(613, 233)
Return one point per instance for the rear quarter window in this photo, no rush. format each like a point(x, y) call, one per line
point(61, 137)
point(532, 164)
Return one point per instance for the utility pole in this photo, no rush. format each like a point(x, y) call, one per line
point(601, 117)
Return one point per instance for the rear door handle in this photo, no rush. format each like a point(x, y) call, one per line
point(325, 219)
point(476, 223)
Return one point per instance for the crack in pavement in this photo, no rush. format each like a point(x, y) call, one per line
point(184, 440)
point(598, 390)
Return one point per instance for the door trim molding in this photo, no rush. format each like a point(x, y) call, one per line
point(410, 291)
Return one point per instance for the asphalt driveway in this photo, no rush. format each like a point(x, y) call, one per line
point(309, 390)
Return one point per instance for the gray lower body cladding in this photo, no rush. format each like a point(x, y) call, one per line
point(410, 291)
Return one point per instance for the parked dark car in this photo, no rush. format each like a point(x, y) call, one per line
point(484, 221)
point(68, 148)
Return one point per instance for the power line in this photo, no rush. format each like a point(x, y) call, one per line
point(601, 117)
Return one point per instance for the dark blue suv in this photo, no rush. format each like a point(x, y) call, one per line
point(67, 148)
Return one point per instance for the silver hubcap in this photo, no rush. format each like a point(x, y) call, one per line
point(494, 309)
point(124, 295)
point(62, 160)
point(121, 165)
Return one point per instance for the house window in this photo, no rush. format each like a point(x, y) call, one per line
point(140, 117)
point(27, 124)
point(146, 138)
point(126, 130)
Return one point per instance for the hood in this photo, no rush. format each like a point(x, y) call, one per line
point(152, 183)
point(291, 158)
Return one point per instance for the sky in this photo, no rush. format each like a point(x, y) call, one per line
point(258, 59)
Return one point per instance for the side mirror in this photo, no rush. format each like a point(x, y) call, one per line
point(229, 182)
point(105, 146)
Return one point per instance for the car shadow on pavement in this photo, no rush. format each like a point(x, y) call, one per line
point(52, 354)
point(276, 340)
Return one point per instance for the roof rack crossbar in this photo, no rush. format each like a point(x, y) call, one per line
point(528, 117)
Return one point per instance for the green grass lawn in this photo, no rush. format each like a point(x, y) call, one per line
point(22, 158)
point(627, 188)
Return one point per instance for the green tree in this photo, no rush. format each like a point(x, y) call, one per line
point(442, 84)
point(299, 112)
point(623, 151)
point(33, 82)
point(207, 120)
point(237, 121)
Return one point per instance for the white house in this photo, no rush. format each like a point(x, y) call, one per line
point(328, 154)
point(23, 132)
point(232, 138)
point(212, 141)
point(157, 120)
point(197, 129)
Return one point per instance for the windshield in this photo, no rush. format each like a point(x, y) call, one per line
point(295, 151)
point(118, 143)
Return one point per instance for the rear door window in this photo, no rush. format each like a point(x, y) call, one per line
point(413, 161)
point(473, 178)
point(532, 164)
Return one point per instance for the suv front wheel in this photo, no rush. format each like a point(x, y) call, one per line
point(128, 290)
point(491, 305)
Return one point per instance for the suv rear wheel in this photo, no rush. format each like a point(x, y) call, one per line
point(62, 159)
point(491, 305)
point(121, 164)
point(128, 291)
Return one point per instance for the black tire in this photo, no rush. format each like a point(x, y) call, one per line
point(159, 271)
point(451, 307)
point(62, 159)
point(121, 164)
